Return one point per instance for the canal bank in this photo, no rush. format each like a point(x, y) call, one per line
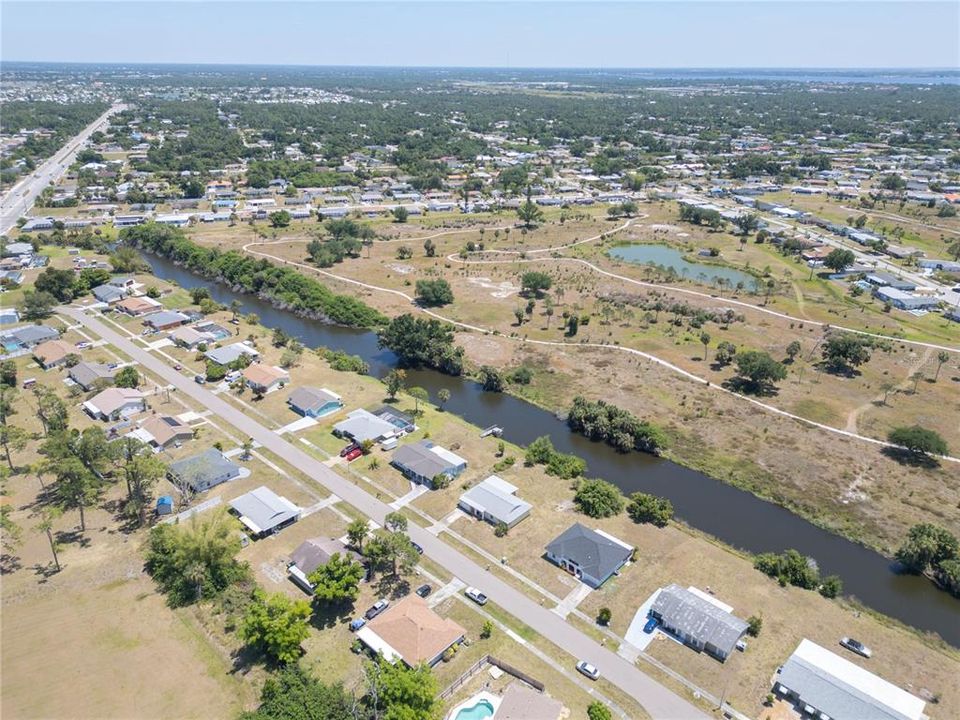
point(734, 516)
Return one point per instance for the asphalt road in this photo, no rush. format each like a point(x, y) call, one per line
point(660, 702)
point(20, 198)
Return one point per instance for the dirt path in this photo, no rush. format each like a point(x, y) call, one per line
point(618, 348)
point(854, 415)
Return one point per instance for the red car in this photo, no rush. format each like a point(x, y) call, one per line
point(349, 449)
point(354, 454)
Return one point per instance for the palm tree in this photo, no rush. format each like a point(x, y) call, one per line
point(46, 526)
point(942, 357)
point(235, 308)
point(443, 395)
point(916, 377)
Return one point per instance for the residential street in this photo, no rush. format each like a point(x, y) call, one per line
point(20, 198)
point(660, 702)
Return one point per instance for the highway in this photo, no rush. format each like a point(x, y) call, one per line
point(660, 702)
point(20, 198)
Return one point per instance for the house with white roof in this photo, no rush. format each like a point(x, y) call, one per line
point(495, 501)
point(825, 686)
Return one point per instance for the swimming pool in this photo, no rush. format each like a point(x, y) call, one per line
point(480, 711)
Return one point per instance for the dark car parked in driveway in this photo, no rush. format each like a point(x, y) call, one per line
point(378, 607)
point(424, 590)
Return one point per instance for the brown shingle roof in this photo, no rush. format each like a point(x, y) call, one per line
point(52, 351)
point(415, 631)
point(265, 375)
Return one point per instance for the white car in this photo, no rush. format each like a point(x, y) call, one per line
point(478, 597)
point(84, 345)
point(585, 668)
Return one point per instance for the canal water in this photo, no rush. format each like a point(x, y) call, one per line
point(734, 516)
point(669, 257)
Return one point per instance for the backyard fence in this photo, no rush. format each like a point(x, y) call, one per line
point(480, 665)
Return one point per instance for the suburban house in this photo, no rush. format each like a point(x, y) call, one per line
point(265, 378)
point(361, 425)
point(190, 338)
point(89, 375)
point(162, 431)
point(589, 555)
point(231, 353)
point(885, 279)
point(423, 461)
point(314, 402)
point(165, 320)
point(53, 353)
point(822, 684)
point(138, 306)
point(700, 621)
point(495, 501)
point(904, 300)
point(204, 471)
point(115, 403)
point(31, 335)
point(263, 512)
point(109, 294)
point(410, 631)
point(521, 702)
point(313, 553)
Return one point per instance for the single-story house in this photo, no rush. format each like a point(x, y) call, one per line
point(165, 320)
point(138, 306)
point(190, 338)
point(885, 279)
point(423, 461)
point(265, 378)
point(109, 294)
point(115, 403)
point(904, 300)
point(53, 353)
point(231, 353)
point(495, 501)
point(313, 553)
point(204, 471)
point(31, 335)
point(88, 375)
point(314, 402)
point(698, 620)
point(162, 431)
point(410, 631)
point(264, 512)
point(11, 277)
point(590, 555)
point(521, 702)
point(9, 316)
point(16, 249)
point(951, 266)
point(824, 685)
point(361, 425)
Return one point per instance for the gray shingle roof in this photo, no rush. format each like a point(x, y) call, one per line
point(34, 334)
point(420, 460)
point(228, 353)
point(313, 553)
point(698, 619)
point(86, 374)
point(310, 398)
point(362, 425)
point(596, 555)
point(196, 469)
point(262, 509)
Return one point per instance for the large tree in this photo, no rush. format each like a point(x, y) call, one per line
point(927, 545)
point(535, 282)
point(645, 508)
point(432, 293)
point(337, 581)
point(291, 694)
point(421, 342)
point(918, 440)
point(844, 351)
point(276, 624)
point(396, 692)
point(839, 259)
point(598, 498)
point(757, 371)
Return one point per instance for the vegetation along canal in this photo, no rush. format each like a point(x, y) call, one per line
point(734, 516)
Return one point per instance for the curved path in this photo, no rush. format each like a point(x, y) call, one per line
point(549, 343)
point(658, 700)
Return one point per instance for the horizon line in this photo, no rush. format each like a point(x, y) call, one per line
point(818, 68)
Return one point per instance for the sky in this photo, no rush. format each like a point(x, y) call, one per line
point(671, 34)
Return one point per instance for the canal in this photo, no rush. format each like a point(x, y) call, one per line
point(736, 517)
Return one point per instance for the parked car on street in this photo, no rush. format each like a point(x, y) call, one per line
point(478, 597)
point(856, 646)
point(591, 671)
point(199, 379)
point(417, 547)
point(378, 607)
point(424, 590)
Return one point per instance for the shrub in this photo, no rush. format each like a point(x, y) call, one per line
point(501, 529)
point(598, 499)
point(604, 616)
point(754, 625)
point(645, 508)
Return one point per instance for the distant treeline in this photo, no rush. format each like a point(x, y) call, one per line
point(282, 286)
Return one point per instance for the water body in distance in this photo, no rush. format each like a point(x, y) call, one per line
point(734, 516)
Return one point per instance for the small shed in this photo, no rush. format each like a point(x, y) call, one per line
point(164, 505)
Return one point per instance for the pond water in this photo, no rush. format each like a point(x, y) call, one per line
point(736, 517)
point(669, 257)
